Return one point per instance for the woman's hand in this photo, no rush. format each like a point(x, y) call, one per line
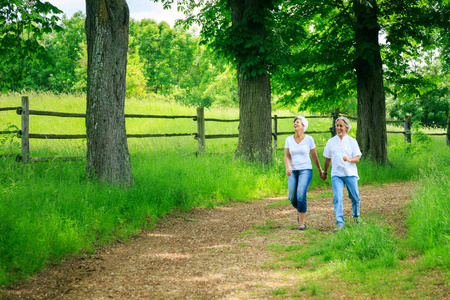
point(288, 172)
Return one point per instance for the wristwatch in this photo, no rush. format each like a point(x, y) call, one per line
point(325, 173)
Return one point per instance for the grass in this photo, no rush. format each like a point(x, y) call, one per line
point(370, 260)
point(50, 211)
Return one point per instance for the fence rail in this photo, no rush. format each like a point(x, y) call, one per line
point(200, 135)
point(9, 108)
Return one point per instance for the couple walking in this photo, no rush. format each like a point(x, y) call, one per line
point(341, 151)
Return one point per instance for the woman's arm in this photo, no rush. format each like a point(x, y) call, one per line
point(287, 161)
point(316, 161)
point(326, 166)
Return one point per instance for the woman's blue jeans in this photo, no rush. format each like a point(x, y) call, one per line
point(338, 194)
point(298, 184)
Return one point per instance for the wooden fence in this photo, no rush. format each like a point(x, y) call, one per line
point(200, 135)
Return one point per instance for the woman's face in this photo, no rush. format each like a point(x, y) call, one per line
point(298, 125)
point(341, 129)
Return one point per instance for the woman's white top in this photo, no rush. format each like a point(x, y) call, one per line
point(336, 149)
point(300, 159)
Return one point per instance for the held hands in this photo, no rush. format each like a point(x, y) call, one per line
point(322, 175)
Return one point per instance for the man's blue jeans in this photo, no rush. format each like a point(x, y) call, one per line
point(338, 193)
point(298, 184)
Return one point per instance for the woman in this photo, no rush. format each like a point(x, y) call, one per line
point(343, 152)
point(297, 151)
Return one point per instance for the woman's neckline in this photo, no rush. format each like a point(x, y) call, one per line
point(300, 139)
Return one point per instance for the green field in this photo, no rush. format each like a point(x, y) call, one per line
point(49, 210)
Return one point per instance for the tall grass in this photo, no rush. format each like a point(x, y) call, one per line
point(429, 219)
point(362, 254)
point(371, 244)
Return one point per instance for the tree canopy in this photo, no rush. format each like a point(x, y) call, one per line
point(22, 24)
point(322, 73)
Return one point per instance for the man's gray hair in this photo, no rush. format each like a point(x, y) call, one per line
point(303, 120)
point(346, 122)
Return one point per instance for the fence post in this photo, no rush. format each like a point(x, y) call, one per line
point(25, 128)
point(335, 115)
point(407, 131)
point(275, 132)
point(201, 128)
point(448, 130)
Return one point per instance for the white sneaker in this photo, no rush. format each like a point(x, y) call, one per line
point(338, 228)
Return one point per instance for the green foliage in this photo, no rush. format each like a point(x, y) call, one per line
point(8, 141)
point(136, 83)
point(429, 102)
point(253, 37)
point(66, 51)
point(161, 60)
point(22, 24)
point(174, 63)
point(322, 73)
point(429, 220)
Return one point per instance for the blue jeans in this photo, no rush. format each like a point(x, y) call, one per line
point(338, 193)
point(298, 184)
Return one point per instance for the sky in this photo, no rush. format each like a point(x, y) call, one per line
point(139, 9)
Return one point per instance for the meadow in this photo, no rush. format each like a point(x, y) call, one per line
point(50, 211)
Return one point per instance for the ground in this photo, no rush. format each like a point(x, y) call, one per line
point(217, 253)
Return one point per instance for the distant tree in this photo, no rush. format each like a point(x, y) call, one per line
point(145, 38)
point(65, 47)
point(427, 103)
point(208, 81)
point(22, 24)
point(167, 53)
point(175, 64)
point(108, 158)
point(136, 83)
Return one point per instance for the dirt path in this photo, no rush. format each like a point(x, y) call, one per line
point(215, 253)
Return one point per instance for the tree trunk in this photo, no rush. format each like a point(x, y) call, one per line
point(371, 131)
point(255, 130)
point(108, 158)
point(254, 92)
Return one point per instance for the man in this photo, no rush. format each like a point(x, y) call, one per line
point(343, 152)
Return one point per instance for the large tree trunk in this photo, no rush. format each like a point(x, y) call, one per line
point(255, 132)
point(371, 131)
point(108, 158)
point(255, 111)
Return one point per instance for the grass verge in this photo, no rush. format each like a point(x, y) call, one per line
point(371, 260)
